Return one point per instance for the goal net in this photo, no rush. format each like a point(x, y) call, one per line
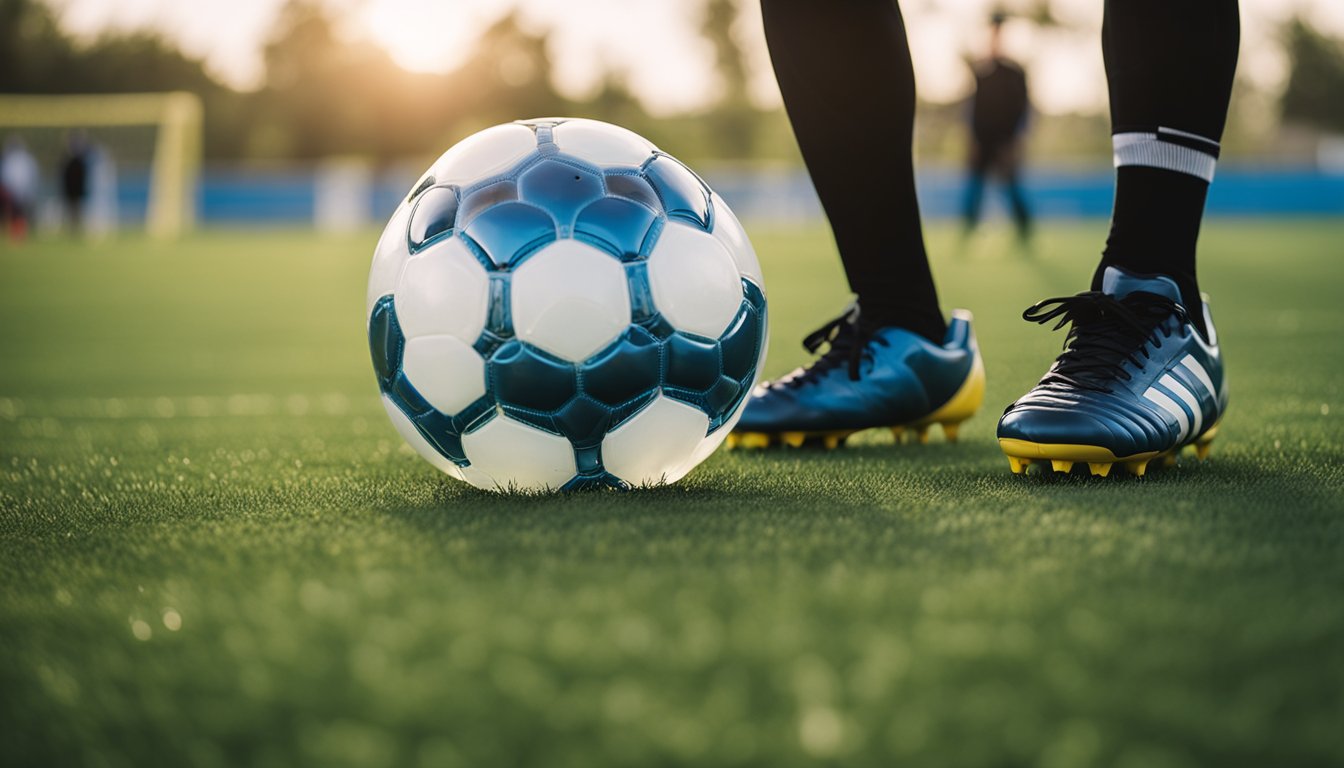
point(143, 153)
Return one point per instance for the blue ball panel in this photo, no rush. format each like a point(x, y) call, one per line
point(509, 231)
point(684, 196)
point(741, 343)
point(616, 225)
point(386, 343)
point(476, 201)
point(720, 398)
point(560, 188)
point(435, 213)
point(585, 422)
point(691, 364)
point(525, 377)
point(630, 367)
point(634, 188)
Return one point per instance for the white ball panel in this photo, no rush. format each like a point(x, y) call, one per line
point(570, 299)
point(602, 143)
point(653, 446)
point(484, 154)
point(695, 282)
point(389, 256)
point(728, 230)
point(710, 444)
point(412, 436)
point(443, 290)
point(507, 454)
point(445, 370)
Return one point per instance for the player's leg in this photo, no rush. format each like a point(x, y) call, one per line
point(1142, 375)
point(844, 70)
point(1170, 65)
point(1017, 198)
point(973, 202)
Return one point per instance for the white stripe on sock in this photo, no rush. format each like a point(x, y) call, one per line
point(1145, 149)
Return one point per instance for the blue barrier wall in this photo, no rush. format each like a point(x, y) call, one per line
point(259, 198)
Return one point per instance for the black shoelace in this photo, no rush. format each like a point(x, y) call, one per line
point(1106, 332)
point(847, 340)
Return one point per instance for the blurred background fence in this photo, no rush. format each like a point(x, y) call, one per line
point(325, 111)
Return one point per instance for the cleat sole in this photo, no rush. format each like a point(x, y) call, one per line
point(1063, 456)
point(834, 439)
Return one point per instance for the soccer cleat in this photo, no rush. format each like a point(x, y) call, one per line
point(1137, 382)
point(868, 378)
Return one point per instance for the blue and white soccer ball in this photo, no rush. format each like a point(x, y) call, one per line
point(557, 304)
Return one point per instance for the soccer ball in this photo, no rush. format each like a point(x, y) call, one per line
point(557, 304)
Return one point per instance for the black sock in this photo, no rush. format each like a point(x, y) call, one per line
point(1170, 65)
point(1154, 228)
point(844, 70)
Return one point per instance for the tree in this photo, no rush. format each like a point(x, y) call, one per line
point(1315, 90)
point(732, 119)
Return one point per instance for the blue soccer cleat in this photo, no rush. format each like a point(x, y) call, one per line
point(886, 377)
point(1137, 382)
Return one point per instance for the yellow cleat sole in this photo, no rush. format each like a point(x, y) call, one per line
point(1062, 457)
point(830, 440)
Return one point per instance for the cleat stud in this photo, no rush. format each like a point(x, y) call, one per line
point(732, 440)
point(793, 439)
point(899, 434)
point(832, 441)
point(1100, 469)
point(950, 432)
point(922, 433)
point(1137, 468)
point(1018, 466)
point(1202, 450)
point(755, 440)
point(1060, 465)
point(1169, 460)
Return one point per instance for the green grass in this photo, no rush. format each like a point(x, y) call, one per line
point(215, 550)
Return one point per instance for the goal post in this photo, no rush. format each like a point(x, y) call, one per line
point(174, 162)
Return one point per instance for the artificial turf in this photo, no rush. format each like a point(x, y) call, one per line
point(215, 550)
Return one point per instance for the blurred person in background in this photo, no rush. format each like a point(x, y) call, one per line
point(997, 121)
point(75, 169)
point(19, 178)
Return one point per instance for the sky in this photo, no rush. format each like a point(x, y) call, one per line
point(656, 42)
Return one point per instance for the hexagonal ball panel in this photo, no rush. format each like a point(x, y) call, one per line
point(507, 454)
point(655, 445)
point(620, 226)
point(443, 290)
point(481, 155)
point(684, 196)
point(435, 213)
point(525, 377)
point(559, 188)
point(602, 143)
point(511, 230)
point(695, 282)
point(413, 437)
point(625, 370)
point(445, 370)
point(570, 299)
